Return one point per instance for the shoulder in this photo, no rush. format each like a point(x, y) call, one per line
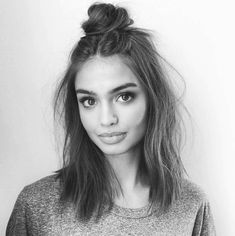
point(43, 189)
point(192, 198)
point(195, 201)
point(192, 192)
point(192, 205)
point(43, 184)
point(34, 205)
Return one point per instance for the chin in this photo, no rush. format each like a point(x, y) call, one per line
point(117, 149)
point(112, 150)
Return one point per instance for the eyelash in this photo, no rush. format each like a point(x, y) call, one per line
point(129, 94)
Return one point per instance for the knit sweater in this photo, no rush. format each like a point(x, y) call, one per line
point(37, 211)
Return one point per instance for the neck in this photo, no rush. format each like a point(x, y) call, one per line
point(126, 167)
point(135, 188)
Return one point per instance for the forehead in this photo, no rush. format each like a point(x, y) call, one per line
point(101, 74)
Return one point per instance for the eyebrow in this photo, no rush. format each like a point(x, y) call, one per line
point(127, 85)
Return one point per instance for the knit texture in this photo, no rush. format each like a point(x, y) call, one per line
point(37, 211)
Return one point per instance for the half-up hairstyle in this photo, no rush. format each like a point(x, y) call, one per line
point(87, 178)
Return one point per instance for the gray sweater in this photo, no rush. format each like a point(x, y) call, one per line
point(37, 212)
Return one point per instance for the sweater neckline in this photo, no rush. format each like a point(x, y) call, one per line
point(134, 213)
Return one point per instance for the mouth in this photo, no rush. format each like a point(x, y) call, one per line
point(112, 138)
point(111, 134)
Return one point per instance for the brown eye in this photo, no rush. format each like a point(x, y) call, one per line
point(87, 102)
point(90, 102)
point(126, 97)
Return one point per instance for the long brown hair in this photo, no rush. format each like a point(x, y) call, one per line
point(87, 178)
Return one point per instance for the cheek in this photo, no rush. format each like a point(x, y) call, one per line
point(136, 117)
point(87, 120)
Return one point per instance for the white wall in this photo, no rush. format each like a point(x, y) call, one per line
point(197, 37)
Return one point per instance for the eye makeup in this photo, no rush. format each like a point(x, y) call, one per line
point(123, 97)
point(87, 101)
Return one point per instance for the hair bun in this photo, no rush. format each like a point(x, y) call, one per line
point(105, 18)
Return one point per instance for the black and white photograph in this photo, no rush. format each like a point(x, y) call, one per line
point(117, 118)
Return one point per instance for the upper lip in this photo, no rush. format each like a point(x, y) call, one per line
point(111, 134)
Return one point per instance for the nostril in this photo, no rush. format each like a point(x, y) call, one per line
point(108, 114)
point(109, 120)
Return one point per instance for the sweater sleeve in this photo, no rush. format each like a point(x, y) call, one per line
point(17, 224)
point(204, 223)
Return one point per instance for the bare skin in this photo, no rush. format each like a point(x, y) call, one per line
point(136, 190)
point(104, 111)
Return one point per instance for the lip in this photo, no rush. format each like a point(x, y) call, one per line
point(112, 138)
point(111, 134)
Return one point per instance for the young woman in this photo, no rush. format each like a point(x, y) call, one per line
point(122, 172)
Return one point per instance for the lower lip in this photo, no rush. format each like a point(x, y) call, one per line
point(114, 139)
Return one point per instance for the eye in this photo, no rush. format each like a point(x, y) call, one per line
point(87, 102)
point(126, 97)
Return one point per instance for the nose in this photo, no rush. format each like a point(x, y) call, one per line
point(108, 117)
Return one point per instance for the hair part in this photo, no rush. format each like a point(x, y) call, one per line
point(87, 178)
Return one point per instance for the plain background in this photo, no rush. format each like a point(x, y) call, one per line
point(197, 37)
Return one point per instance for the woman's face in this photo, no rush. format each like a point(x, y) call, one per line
point(112, 104)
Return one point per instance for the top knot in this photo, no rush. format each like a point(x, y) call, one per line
point(104, 18)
